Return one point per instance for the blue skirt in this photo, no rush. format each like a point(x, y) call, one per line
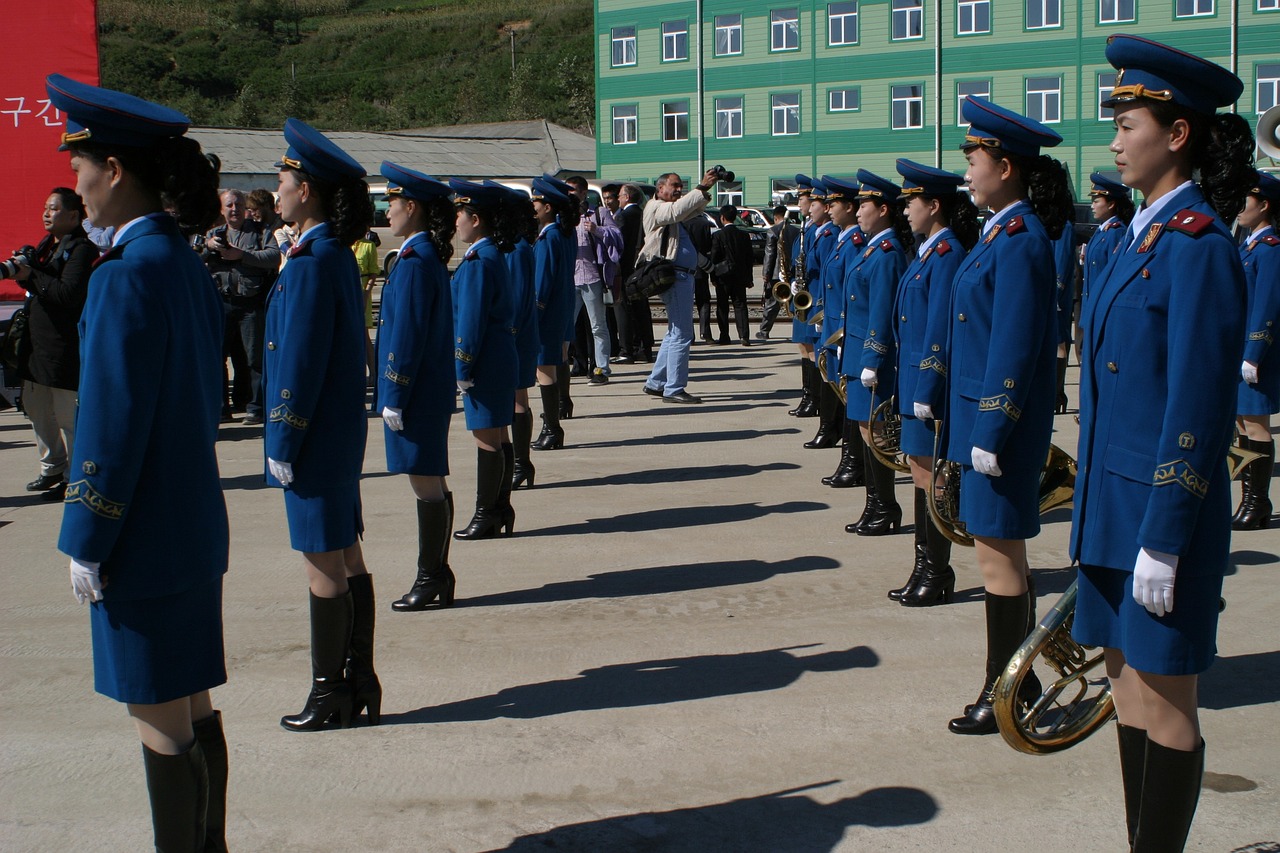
point(1004, 507)
point(422, 447)
point(489, 407)
point(1182, 642)
point(152, 650)
point(803, 333)
point(917, 436)
point(1260, 399)
point(324, 520)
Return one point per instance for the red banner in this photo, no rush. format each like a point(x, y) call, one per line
point(43, 38)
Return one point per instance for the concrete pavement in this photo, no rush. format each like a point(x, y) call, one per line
point(680, 650)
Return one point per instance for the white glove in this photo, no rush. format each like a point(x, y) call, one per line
point(464, 385)
point(1249, 372)
point(985, 463)
point(1153, 575)
point(868, 378)
point(924, 411)
point(839, 353)
point(85, 582)
point(282, 471)
point(393, 418)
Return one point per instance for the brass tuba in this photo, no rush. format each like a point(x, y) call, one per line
point(886, 444)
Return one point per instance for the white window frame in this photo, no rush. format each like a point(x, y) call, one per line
point(907, 13)
point(784, 28)
point(675, 42)
point(844, 107)
point(986, 93)
point(1046, 8)
point(1198, 10)
point(730, 116)
point(846, 19)
point(971, 7)
point(1106, 82)
point(782, 109)
point(1109, 11)
point(1269, 5)
point(730, 193)
point(671, 113)
point(912, 103)
point(623, 42)
point(1045, 97)
point(626, 123)
point(1271, 82)
point(732, 34)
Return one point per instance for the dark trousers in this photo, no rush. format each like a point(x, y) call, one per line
point(737, 294)
point(772, 308)
point(641, 325)
point(244, 328)
point(702, 305)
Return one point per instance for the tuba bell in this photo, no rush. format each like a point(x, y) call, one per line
point(886, 444)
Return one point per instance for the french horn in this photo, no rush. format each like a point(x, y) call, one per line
point(839, 387)
point(886, 443)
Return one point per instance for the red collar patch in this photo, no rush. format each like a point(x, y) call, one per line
point(942, 247)
point(1190, 222)
point(1015, 225)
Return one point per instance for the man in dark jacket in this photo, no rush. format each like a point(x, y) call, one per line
point(731, 263)
point(639, 345)
point(777, 266)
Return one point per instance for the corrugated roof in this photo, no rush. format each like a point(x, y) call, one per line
point(500, 150)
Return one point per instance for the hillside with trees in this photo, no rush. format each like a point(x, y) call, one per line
point(354, 64)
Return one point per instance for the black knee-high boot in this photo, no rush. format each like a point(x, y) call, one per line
point(938, 584)
point(521, 440)
point(213, 743)
point(1133, 762)
point(365, 687)
point(1244, 444)
point(922, 523)
point(828, 434)
point(1061, 408)
point(1257, 513)
point(435, 579)
point(331, 693)
point(807, 406)
point(552, 435)
point(1006, 629)
point(849, 472)
point(1170, 792)
point(566, 399)
point(490, 466)
point(178, 787)
point(883, 514)
point(504, 490)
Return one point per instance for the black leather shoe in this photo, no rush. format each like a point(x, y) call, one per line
point(653, 392)
point(917, 572)
point(681, 397)
point(55, 494)
point(549, 439)
point(936, 586)
point(44, 482)
point(978, 718)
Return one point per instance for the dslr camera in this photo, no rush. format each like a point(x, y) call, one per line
point(24, 257)
point(723, 174)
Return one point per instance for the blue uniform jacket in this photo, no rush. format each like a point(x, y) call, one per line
point(484, 320)
point(520, 279)
point(805, 332)
point(1097, 254)
point(870, 287)
point(1262, 277)
point(553, 290)
point(415, 352)
point(829, 256)
point(1161, 357)
point(144, 498)
point(923, 310)
point(313, 375)
point(1003, 338)
point(1064, 264)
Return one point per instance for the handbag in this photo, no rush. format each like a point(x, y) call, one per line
point(13, 338)
point(650, 278)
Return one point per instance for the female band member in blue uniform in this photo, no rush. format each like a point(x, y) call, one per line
point(1162, 346)
point(144, 521)
point(1259, 396)
point(802, 334)
point(416, 392)
point(819, 243)
point(1003, 339)
point(554, 251)
point(868, 360)
point(947, 223)
point(1066, 264)
point(1113, 208)
point(314, 387)
point(484, 354)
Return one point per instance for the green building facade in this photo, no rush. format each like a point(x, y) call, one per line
point(769, 89)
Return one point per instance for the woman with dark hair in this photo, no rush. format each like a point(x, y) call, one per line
point(1163, 336)
point(1259, 395)
point(144, 520)
point(1000, 371)
point(947, 223)
point(556, 215)
point(49, 354)
point(1113, 208)
point(868, 360)
point(314, 387)
point(484, 357)
point(415, 391)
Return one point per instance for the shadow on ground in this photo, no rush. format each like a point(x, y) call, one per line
point(675, 518)
point(676, 475)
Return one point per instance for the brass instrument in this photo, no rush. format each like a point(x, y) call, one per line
point(782, 293)
point(886, 443)
point(839, 387)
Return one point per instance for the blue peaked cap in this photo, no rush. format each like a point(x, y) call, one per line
point(544, 191)
point(1012, 132)
point(312, 152)
point(1268, 187)
point(919, 179)
point(1102, 185)
point(410, 184)
point(476, 195)
point(1153, 71)
point(838, 189)
point(114, 118)
point(872, 186)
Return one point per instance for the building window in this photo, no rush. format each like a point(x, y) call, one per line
point(965, 88)
point(729, 192)
point(1192, 8)
point(1115, 11)
point(675, 121)
point(624, 124)
point(728, 35)
point(973, 16)
point(784, 29)
point(728, 118)
point(786, 114)
point(1268, 93)
point(1044, 99)
point(844, 100)
point(624, 46)
point(908, 19)
point(907, 109)
point(1268, 5)
point(842, 23)
point(1045, 13)
point(675, 41)
point(1106, 82)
